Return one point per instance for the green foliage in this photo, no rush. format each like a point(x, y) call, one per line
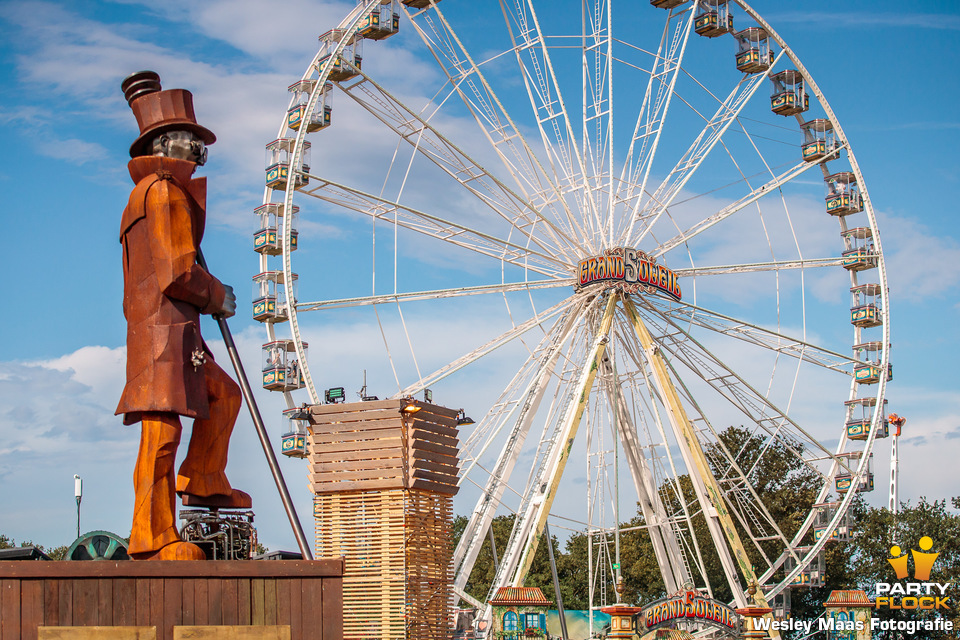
point(478, 585)
point(56, 553)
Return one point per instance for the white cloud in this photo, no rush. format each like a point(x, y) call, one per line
point(921, 263)
point(869, 20)
point(75, 151)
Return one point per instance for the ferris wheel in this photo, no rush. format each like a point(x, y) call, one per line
point(674, 232)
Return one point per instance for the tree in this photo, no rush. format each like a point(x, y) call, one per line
point(57, 553)
point(478, 584)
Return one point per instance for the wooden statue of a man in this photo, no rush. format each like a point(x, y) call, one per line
point(170, 371)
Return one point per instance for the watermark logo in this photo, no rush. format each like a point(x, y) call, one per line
point(918, 593)
point(922, 562)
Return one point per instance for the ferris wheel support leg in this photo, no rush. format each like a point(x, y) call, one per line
point(692, 448)
point(665, 545)
point(261, 430)
point(540, 509)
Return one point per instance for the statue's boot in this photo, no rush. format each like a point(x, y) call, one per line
point(175, 551)
point(202, 480)
point(153, 535)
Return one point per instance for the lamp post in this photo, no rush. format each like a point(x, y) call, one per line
point(77, 493)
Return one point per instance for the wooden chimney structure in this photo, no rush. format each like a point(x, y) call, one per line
point(384, 474)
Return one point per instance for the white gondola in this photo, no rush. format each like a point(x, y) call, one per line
point(860, 413)
point(789, 95)
point(867, 368)
point(667, 4)
point(418, 4)
point(753, 50)
point(270, 216)
point(844, 479)
point(781, 605)
point(825, 512)
point(865, 305)
point(281, 370)
point(843, 194)
point(270, 297)
point(348, 62)
point(278, 164)
point(810, 576)
point(860, 253)
point(819, 140)
point(293, 442)
point(713, 18)
point(322, 111)
point(382, 22)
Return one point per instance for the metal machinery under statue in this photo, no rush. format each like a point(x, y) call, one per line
point(170, 370)
point(384, 474)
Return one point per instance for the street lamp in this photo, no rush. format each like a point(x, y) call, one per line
point(77, 493)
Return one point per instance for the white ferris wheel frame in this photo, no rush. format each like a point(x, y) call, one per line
point(581, 236)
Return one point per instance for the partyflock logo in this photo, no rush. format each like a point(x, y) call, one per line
point(916, 594)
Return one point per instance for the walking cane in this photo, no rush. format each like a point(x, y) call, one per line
point(261, 429)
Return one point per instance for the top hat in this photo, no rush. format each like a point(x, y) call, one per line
point(158, 111)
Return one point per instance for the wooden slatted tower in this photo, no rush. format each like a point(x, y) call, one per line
point(384, 474)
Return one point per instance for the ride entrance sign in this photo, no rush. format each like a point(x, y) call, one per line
point(687, 606)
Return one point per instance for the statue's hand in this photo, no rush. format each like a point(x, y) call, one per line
point(229, 308)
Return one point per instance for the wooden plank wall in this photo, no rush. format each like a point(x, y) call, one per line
point(367, 529)
point(429, 539)
point(307, 595)
point(397, 547)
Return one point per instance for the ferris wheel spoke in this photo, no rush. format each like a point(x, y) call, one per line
point(771, 186)
point(549, 107)
point(537, 503)
point(562, 374)
point(774, 341)
point(451, 232)
point(654, 108)
point(725, 539)
point(730, 385)
point(501, 131)
point(759, 267)
point(490, 346)
point(598, 115)
point(541, 362)
point(416, 130)
point(435, 294)
point(727, 113)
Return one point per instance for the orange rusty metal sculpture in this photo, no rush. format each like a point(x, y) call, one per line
point(170, 371)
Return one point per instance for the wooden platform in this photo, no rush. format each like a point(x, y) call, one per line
point(176, 599)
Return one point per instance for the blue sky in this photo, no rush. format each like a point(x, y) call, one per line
point(887, 70)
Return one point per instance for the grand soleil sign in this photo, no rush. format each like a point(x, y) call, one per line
point(688, 606)
point(630, 270)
